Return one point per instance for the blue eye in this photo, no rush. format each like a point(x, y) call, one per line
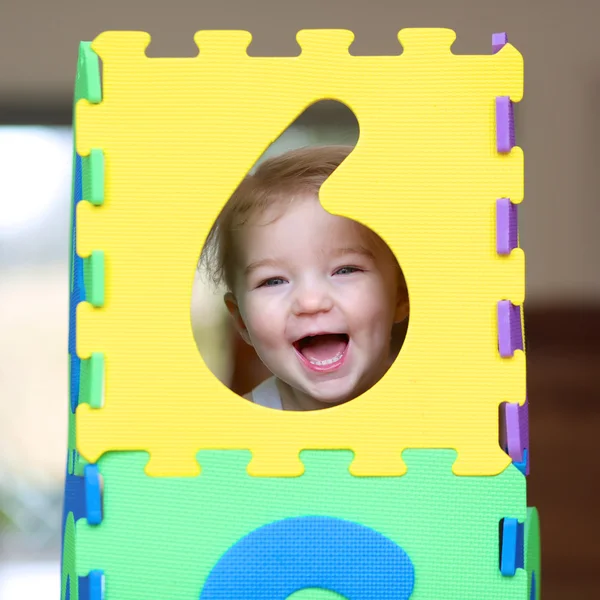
point(347, 270)
point(272, 282)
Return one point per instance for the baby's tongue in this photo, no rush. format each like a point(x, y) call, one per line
point(323, 347)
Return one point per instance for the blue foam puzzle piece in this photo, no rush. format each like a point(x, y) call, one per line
point(93, 497)
point(90, 587)
point(512, 555)
point(78, 287)
point(83, 496)
point(74, 500)
point(280, 558)
point(522, 466)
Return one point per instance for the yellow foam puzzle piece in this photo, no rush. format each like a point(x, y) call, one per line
point(179, 134)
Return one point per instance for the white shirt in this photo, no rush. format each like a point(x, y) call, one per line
point(266, 394)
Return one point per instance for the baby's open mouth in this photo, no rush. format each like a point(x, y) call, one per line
point(323, 349)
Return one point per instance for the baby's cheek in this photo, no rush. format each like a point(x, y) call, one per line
point(264, 329)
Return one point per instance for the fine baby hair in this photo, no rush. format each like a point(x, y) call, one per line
point(277, 180)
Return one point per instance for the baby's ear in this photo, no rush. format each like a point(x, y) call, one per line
point(402, 308)
point(234, 311)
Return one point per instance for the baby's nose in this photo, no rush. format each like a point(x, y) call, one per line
point(312, 299)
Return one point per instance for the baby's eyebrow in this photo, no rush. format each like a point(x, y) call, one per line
point(344, 251)
point(353, 250)
point(265, 262)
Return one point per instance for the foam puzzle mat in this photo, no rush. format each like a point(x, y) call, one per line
point(177, 488)
point(147, 516)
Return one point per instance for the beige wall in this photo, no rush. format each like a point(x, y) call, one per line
point(559, 122)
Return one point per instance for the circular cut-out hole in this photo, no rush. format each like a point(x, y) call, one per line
point(315, 304)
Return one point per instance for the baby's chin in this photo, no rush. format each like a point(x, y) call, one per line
point(332, 397)
point(314, 397)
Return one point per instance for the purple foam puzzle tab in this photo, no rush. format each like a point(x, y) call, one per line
point(505, 124)
point(510, 335)
point(499, 40)
point(507, 226)
point(517, 431)
point(524, 427)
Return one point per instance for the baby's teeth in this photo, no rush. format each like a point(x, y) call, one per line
point(329, 361)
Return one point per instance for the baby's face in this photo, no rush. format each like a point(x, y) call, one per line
point(317, 297)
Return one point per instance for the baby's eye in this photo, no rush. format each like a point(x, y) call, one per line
point(347, 270)
point(273, 281)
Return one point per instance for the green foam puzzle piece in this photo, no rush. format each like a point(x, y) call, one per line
point(69, 574)
point(95, 289)
point(91, 385)
point(93, 177)
point(92, 380)
point(70, 428)
point(533, 552)
point(87, 86)
point(88, 81)
point(168, 533)
point(91, 391)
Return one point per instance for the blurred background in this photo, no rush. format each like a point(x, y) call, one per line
point(558, 127)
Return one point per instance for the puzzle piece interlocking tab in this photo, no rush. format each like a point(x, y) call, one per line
point(177, 136)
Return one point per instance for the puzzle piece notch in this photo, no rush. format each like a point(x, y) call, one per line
point(93, 494)
point(516, 441)
point(235, 43)
point(221, 44)
point(91, 587)
point(88, 81)
point(96, 288)
point(285, 556)
point(131, 44)
point(523, 465)
point(328, 42)
point(280, 458)
point(86, 215)
point(240, 461)
point(426, 41)
point(507, 226)
point(76, 462)
point(93, 177)
point(77, 295)
point(510, 332)
point(83, 496)
point(499, 40)
point(80, 463)
point(307, 459)
point(505, 124)
point(512, 546)
point(92, 386)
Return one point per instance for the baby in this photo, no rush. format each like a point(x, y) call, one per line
point(315, 294)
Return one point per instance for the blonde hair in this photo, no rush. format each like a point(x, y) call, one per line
point(283, 177)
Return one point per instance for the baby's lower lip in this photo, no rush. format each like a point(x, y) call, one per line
point(323, 368)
